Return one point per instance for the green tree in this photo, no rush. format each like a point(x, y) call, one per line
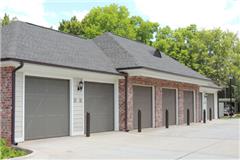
point(73, 26)
point(112, 18)
point(6, 20)
point(144, 29)
point(213, 53)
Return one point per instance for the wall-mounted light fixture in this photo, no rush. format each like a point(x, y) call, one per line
point(205, 95)
point(80, 86)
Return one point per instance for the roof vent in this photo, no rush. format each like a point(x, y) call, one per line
point(157, 53)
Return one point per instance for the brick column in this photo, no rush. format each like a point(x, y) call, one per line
point(158, 107)
point(122, 105)
point(180, 106)
point(6, 103)
point(130, 105)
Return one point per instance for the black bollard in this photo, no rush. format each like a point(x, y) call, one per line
point(139, 121)
point(166, 119)
point(188, 117)
point(210, 114)
point(204, 116)
point(88, 124)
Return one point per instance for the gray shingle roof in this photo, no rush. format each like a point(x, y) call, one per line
point(29, 42)
point(126, 53)
point(105, 53)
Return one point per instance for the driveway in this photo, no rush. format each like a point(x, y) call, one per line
point(218, 139)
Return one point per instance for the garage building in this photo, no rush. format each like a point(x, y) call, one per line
point(51, 80)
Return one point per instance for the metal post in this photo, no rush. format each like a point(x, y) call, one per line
point(188, 117)
point(139, 121)
point(204, 116)
point(230, 94)
point(88, 124)
point(210, 114)
point(166, 119)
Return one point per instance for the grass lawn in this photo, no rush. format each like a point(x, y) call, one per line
point(9, 152)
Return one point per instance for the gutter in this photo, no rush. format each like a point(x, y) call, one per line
point(159, 70)
point(126, 100)
point(13, 100)
point(57, 65)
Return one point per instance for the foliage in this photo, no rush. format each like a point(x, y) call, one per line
point(8, 152)
point(213, 53)
point(144, 30)
point(237, 90)
point(6, 20)
point(73, 26)
point(112, 18)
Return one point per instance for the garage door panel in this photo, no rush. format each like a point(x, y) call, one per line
point(188, 104)
point(169, 103)
point(36, 105)
point(99, 102)
point(32, 129)
point(46, 108)
point(142, 99)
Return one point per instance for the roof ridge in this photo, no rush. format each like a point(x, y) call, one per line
point(50, 29)
point(113, 34)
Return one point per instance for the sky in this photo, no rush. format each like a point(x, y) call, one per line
point(174, 13)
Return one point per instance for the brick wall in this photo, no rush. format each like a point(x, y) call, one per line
point(6, 103)
point(158, 84)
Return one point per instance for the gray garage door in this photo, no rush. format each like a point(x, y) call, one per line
point(99, 102)
point(210, 104)
point(188, 104)
point(142, 99)
point(46, 108)
point(169, 103)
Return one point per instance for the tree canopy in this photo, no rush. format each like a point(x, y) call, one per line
point(112, 18)
point(212, 52)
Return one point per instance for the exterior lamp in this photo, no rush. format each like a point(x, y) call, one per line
point(80, 86)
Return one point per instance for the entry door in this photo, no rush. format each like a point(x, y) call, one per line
point(210, 105)
point(142, 100)
point(188, 104)
point(169, 103)
point(46, 108)
point(99, 102)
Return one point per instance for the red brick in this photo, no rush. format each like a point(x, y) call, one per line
point(6, 103)
point(158, 85)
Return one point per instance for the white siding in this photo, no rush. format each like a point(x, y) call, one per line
point(78, 112)
point(19, 102)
